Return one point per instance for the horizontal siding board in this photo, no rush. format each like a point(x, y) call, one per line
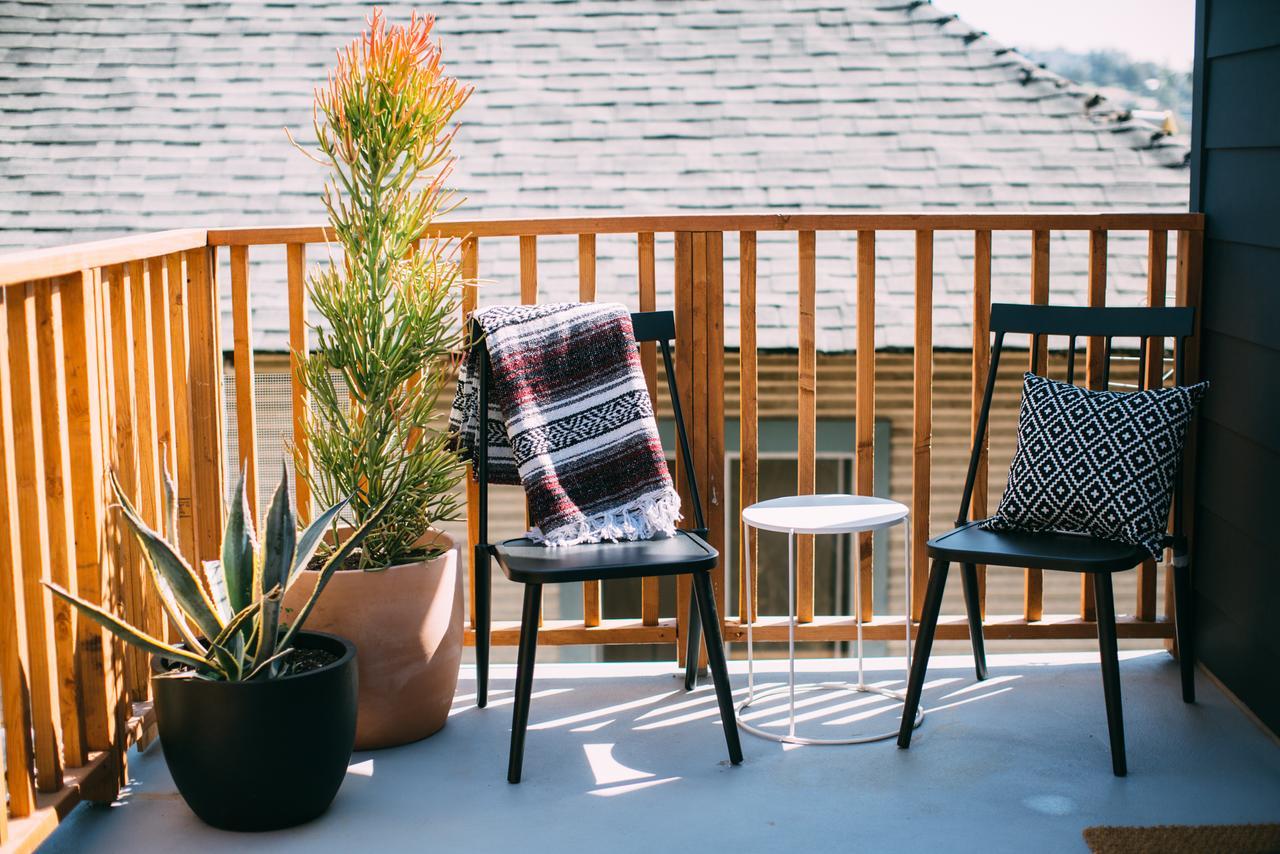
point(1242, 291)
point(1232, 652)
point(1236, 26)
point(1240, 112)
point(1244, 395)
point(1248, 597)
point(1237, 479)
point(1240, 192)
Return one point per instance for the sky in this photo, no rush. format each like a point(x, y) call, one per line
point(1154, 30)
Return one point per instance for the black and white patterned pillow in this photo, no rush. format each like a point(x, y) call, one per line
point(1096, 462)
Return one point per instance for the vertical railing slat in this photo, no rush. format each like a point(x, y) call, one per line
point(529, 296)
point(587, 293)
point(1157, 276)
point(1188, 292)
point(180, 374)
point(1095, 371)
point(748, 425)
point(470, 270)
point(124, 463)
point(922, 419)
point(865, 405)
point(650, 599)
point(296, 265)
point(806, 413)
point(162, 357)
point(206, 398)
point(1033, 584)
point(28, 478)
point(81, 340)
point(242, 333)
point(684, 300)
point(713, 426)
point(57, 491)
point(148, 486)
point(697, 413)
point(19, 761)
point(981, 364)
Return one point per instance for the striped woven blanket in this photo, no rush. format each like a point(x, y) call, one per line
point(570, 419)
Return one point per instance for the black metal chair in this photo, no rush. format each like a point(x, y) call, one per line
point(534, 565)
point(970, 545)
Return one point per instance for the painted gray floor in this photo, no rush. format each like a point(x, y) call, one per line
point(619, 759)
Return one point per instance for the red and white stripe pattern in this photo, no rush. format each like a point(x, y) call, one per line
point(570, 419)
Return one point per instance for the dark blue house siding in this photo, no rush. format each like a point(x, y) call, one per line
point(1236, 183)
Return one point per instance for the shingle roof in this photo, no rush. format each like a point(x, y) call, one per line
point(133, 115)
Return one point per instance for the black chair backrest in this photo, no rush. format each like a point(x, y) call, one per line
point(648, 326)
point(1072, 322)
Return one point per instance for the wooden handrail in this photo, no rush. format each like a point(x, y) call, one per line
point(63, 260)
point(720, 222)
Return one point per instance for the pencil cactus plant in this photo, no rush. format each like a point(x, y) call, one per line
point(229, 615)
point(385, 127)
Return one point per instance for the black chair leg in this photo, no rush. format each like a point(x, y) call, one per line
point(1110, 668)
point(924, 644)
point(705, 597)
point(483, 584)
point(973, 607)
point(691, 651)
point(524, 678)
point(1184, 623)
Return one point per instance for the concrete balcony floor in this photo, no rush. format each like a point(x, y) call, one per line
point(620, 759)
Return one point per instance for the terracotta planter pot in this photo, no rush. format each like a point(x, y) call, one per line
point(406, 623)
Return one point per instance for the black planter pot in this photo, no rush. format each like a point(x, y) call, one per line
point(260, 755)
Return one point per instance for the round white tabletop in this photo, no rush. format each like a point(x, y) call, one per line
point(822, 514)
point(825, 514)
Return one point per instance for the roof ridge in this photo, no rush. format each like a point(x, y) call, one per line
point(1177, 145)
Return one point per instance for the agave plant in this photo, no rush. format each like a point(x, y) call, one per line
point(229, 615)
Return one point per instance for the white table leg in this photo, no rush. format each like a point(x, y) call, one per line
point(791, 630)
point(907, 609)
point(751, 674)
point(857, 603)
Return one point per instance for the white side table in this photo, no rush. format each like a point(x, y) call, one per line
point(822, 514)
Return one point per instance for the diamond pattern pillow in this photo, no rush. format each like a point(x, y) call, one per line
point(1096, 462)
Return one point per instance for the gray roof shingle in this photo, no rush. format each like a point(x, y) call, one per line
point(132, 115)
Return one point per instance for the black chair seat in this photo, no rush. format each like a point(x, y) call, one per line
point(1035, 550)
point(530, 562)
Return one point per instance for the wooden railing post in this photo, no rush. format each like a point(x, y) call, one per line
point(296, 264)
point(865, 407)
point(922, 420)
point(646, 274)
point(242, 332)
point(57, 464)
point(1157, 275)
point(206, 399)
point(748, 425)
point(1033, 579)
point(19, 756)
point(981, 364)
point(1096, 357)
point(591, 605)
point(806, 413)
point(99, 665)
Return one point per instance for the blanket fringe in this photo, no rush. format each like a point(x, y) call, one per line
point(646, 518)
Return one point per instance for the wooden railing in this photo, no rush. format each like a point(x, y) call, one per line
point(113, 358)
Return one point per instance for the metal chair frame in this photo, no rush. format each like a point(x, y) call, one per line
point(1057, 551)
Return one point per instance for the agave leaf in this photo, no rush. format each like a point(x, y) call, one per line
point(312, 537)
point(238, 545)
point(170, 506)
point(281, 538)
point(171, 607)
point(187, 589)
point(268, 629)
point(129, 634)
point(275, 659)
point(239, 621)
point(339, 556)
point(217, 583)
